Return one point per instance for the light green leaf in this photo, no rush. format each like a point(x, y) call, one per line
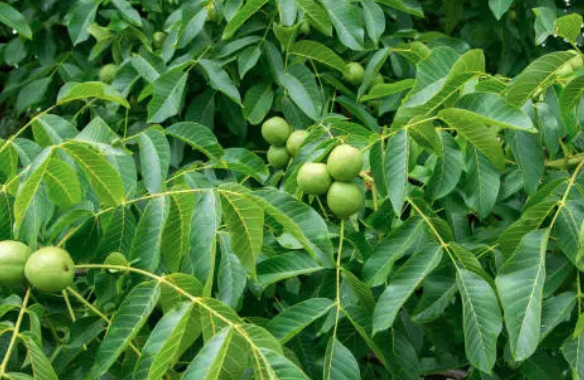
point(244, 161)
point(573, 350)
point(492, 109)
point(396, 168)
point(168, 96)
point(219, 79)
point(396, 244)
point(30, 188)
point(374, 20)
point(128, 12)
point(244, 13)
point(403, 284)
point(282, 367)
point(104, 179)
point(569, 99)
point(286, 266)
point(499, 7)
point(319, 52)
point(520, 286)
point(51, 129)
point(482, 319)
point(387, 89)
point(62, 184)
point(537, 76)
point(244, 219)
point(14, 20)
point(163, 343)
point(409, 6)
point(339, 362)
point(257, 103)
point(176, 235)
point(526, 149)
point(556, 309)
point(347, 23)
point(81, 17)
point(448, 169)
point(569, 27)
point(231, 277)
point(41, 365)
point(483, 138)
point(208, 362)
point(197, 136)
point(299, 95)
point(544, 23)
point(317, 16)
point(154, 159)
point(76, 91)
point(147, 242)
point(125, 325)
point(294, 319)
point(483, 182)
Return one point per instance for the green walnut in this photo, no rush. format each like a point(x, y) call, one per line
point(305, 28)
point(13, 257)
point(378, 80)
point(158, 39)
point(50, 269)
point(314, 178)
point(354, 73)
point(108, 73)
point(295, 141)
point(344, 199)
point(276, 131)
point(345, 163)
point(278, 156)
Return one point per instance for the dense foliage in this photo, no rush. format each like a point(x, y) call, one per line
point(135, 141)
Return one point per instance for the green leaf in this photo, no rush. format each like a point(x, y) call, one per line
point(62, 184)
point(41, 365)
point(448, 169)
point(14, 20)
point(257, 103)
point(499, 7)
point(244, 220)
point(555, 310)
point(286, 266)
point(219, 79)
point(526, 149)
point(482, 319)
point(300, 220)
point(231, 277)
point(573, 350)
point(375, 64)
point(544, 23)
point(147, 242)
point(163, 343)
point(81, 17)
point(387, 89)
point(317, 16)
point(244, 161)
point(125, 325)
point(154, 159)
point(208, 362)
point(176, 237)
point(520, 286)
point(409, 6)
point(396, 244)
point(347, 23)
point(197, 136)
point(30, 188)
point(339, 362)
point(33, 93)
point(296, 318)
point(168, 96)
point(320, 53)
point(76, 91)
point(287, 9)
point(536, 77)
point(492, 109)
point(483, 138)
point(281, 367)
point(128, 12)
point(568, 27)
point(299, 95)
point(396, 168)
point(374, 20)
point(244, 13)
point(568, 102)
point(104, 179)
point(51, 129)
point(403, 284)
point(483, 182)
point(192, 28)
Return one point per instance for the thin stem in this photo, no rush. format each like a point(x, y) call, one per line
point(15, 334)
point(69, 307)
